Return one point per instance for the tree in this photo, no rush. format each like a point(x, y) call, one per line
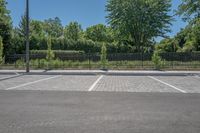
point(196, 34)
point(187, 40)
point(157, 60)
point(50, 53)
point(5, 26)
point(37, 28)
point(1, 50)
point(37, 34)
point(189, 8)
point(168, 45)
point(53, 27)
point(139, 21)
point(103, 56)
point(21, 29)
point(99, 33)
point(73, 31)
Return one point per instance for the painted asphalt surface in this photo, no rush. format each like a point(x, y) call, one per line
point(171, 84)
point(99, 104)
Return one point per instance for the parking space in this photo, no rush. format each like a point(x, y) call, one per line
point(62, 83)
point(99, 104)
point(169, 84)
point(190, 84)
point(131, 84)
point(21, 80)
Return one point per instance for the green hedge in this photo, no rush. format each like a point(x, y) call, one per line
point(57, 52)
point(71, 45)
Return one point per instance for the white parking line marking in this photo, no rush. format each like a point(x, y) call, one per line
point(22, 85)
point(8, 77)
point(167, 84)
point(17, 73)
point(197, 76)
point(95, 83)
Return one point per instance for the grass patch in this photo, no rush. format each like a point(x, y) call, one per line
point(112, 65)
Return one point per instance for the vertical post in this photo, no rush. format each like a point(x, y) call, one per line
point(27, 36)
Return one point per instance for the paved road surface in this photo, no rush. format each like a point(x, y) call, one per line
point(98, 112)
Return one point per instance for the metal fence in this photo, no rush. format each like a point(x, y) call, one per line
point(115, 61)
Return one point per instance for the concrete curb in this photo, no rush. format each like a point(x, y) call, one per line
point(100, 72)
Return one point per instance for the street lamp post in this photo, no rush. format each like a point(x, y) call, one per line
point(27, 37)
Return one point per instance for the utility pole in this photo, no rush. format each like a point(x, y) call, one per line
point(27, 37)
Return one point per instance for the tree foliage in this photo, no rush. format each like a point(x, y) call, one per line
point(50, 53)
point(139, 21)
point(1, 50)
point(187, 40)
point(73, 31)
point(104, 56)
point(99, 33)
point(189, 8)
point(5, 26)
point(132, 26)
point(21, 29)
point(53, 27)
point(157, 60)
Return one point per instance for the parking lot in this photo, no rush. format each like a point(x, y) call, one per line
point(99, 104)
point(171, 84)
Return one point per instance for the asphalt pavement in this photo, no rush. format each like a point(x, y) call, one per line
point(98, 112)
point(99, 103)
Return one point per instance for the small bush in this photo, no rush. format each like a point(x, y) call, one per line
point(20, 63)
point(104, 56)
point(157, 60)
point(1, 51)
point(50, 53)
point(57, 63)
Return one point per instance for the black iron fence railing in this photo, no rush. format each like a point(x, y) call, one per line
point(115, 61)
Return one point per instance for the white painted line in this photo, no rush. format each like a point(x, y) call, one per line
point(197, 76)
point(17, 73)
point(8, 77)
point(22, 85)
point(167, 84)
point(95, 83)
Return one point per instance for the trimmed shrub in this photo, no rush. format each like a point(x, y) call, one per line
point(50, 54)
point(20, 63)
point(157, 60)
point(1, 51)
point(104, 60)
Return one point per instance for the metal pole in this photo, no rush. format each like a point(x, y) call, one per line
point(27, 36)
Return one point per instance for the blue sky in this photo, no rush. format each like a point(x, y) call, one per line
point(86, 12)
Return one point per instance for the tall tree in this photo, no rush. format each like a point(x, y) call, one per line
point(37, 33)
point(21, 29)
point(5, 26)
point(53, 27)
point(19, 37)
point(73, 31)
point(139, 21)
